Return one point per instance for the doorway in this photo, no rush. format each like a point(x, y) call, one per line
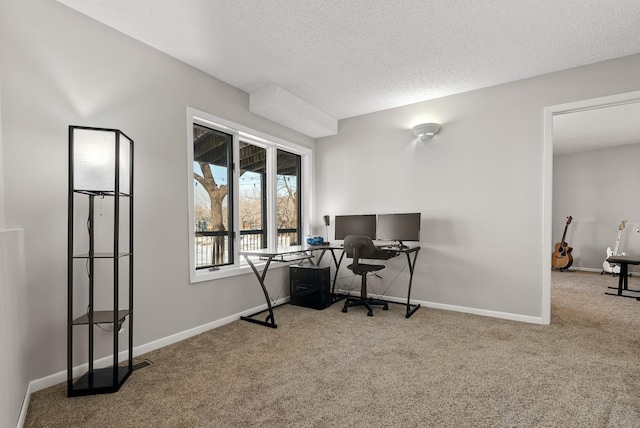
point(549, 113)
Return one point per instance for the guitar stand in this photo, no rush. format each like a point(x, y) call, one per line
point(563, 269)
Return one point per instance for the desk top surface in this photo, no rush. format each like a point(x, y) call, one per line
point(283, 251)
point(630, 259)
point(295, 249)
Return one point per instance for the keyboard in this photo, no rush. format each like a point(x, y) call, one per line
point(383, 254)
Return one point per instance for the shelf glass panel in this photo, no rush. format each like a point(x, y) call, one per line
point(101, 193)
point(101, 255)
point(102, 317)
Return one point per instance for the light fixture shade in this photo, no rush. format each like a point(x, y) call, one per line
point(95, 151)
point(426, 131)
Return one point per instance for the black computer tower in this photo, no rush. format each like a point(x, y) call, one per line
point(309, 286)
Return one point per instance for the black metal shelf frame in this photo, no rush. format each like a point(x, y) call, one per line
point(109, 379)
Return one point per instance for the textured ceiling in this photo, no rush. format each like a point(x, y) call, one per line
point(351, 57)
point(596, 128)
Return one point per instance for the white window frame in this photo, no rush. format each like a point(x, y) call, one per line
point(271, 144)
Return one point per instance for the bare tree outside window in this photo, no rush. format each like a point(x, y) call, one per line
point(253, 191)
point(212, 173)
point(288, 189)
point(214, 187)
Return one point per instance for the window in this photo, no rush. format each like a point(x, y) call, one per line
point(212, 171)
point(288, 180)
point(245, 192)
point(253, 196)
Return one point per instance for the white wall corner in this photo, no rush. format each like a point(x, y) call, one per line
point(13, 325)
point(281, 106)
point(2, 205)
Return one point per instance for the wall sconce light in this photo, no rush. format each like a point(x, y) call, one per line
point(425, 131)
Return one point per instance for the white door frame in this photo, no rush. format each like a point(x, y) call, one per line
point(547, 191)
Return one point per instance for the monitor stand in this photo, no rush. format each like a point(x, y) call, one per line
point(401, 246)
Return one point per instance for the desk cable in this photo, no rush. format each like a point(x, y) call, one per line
point(384, 293)
point(284, 285)
point(371, 287)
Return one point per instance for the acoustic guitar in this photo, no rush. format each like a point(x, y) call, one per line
point(561, 257)
point(613, 267)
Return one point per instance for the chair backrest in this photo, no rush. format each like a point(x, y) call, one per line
point(358, 247)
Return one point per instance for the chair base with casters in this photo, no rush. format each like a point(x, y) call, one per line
point(364, 300)
point(359, 247)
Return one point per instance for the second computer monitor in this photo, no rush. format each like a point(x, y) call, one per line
point(398, 227)
point(362, 225)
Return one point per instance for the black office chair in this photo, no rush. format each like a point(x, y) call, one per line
point(361, 247)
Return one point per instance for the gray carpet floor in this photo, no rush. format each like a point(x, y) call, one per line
point(435, 369)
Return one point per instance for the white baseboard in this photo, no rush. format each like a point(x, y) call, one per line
point(474, 311)
point(584, 269)
point(25, 406)
point(484, 312)
point(56, 378)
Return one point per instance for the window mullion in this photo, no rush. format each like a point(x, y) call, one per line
point(272, 229)
point(236, 199)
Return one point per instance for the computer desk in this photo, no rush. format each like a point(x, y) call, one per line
point(411, 262)
point(295, 253)
point(301, 253)
point(624, 262)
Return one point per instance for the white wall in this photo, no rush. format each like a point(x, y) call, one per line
point(13, 311)
point(14, 375)
point(1, 162)
point(61, 68)
point(478, 183)
point(598, 188)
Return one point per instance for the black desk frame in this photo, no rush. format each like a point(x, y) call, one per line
point(299, 253)
point(302, 253)
point(412, 264)
point(623, 280)
point(336, 262)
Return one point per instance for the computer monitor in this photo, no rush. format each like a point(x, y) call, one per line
point(398, 227)
point(363, 225)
